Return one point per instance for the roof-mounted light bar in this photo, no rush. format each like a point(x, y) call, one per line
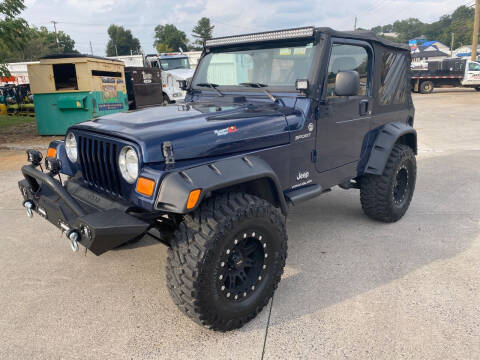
point(298, 33)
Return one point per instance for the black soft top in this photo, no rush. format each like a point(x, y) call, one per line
point(362, 35)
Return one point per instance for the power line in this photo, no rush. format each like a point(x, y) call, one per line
point(56, 35)
point(133, 25)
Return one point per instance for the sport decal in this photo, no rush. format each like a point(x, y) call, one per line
point(226, 131)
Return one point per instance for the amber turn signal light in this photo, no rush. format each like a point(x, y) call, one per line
point(145, 186)
point(52, 152)
point(193, 198)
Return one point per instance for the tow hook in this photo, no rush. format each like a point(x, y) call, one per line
point(72, 236)
point(29, 206)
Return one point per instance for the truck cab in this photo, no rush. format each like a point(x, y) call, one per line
point(472, 75)
point(175, 67)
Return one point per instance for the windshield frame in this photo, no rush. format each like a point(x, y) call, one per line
point(316, 53)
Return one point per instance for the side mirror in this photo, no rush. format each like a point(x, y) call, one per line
point(347, 83)
point(182, 84)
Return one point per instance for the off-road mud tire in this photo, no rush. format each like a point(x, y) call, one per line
point(201, 242)
point(377, 192)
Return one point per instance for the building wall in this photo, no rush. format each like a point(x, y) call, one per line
point(129, 60)
point(193, 57)
point(19, 71)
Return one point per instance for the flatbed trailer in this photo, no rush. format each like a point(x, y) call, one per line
point(449, 72)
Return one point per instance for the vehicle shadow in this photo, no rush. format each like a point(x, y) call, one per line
point(451, 90)
point(144, 241)
point(336, 253)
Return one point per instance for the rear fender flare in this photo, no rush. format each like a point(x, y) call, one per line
point(387, 136)
point(176, 186)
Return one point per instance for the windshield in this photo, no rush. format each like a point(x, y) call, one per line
point(274, 67)
point(174, 63)
point(474, 66)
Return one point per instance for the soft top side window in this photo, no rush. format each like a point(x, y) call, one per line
point(394, 83)
point(346, 57)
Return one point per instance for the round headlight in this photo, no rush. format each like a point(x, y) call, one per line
point(128, 164)
point(71, 147)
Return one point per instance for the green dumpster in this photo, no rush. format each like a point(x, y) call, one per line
point(68, 89)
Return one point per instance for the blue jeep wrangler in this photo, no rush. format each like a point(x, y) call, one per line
point(270, 120)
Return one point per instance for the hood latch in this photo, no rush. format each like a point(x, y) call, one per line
point(167, 150)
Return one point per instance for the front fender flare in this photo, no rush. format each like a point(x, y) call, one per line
point(176, 186)
point(387, 137)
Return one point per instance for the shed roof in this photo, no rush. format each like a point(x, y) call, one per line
point(72, 56)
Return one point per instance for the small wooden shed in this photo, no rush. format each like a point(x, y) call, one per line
point(68, 89)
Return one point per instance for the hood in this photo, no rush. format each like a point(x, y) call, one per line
point(181, 74)
point(198, 129)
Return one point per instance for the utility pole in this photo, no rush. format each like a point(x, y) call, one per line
point(476, 24)
point(56, 35)
point(355, 24)
point(116, 50)
point(451, 45)
point(91, 48)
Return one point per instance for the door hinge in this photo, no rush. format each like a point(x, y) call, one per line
point(313, 156)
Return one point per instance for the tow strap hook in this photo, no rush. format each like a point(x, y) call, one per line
point(73, 237)
point(29, 206)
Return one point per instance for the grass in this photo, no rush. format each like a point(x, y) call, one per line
point(7, 121)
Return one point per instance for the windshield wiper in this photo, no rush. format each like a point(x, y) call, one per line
point(212, 86)
point(253, 84)
point(260, 86)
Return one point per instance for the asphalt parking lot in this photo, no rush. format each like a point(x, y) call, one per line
point(353, 288)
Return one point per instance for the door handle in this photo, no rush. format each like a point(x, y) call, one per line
point(363, 107)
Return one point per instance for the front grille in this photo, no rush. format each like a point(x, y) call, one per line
point(98, 162)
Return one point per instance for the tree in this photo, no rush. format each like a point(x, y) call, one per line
point(121, 41)
point(39, 42)
point(164, 48)
point(377, 29)
point(168, 36)
point(460, 22)
point(12, 30)
point(408, 29)
point(202, 31)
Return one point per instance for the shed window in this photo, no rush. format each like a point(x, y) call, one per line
point(65, 76)
point(106, 73)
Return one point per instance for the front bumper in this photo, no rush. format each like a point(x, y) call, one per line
point(98, 224)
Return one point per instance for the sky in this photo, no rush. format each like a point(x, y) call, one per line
point(87, 20)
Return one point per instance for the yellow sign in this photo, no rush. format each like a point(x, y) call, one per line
point(299, 51)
